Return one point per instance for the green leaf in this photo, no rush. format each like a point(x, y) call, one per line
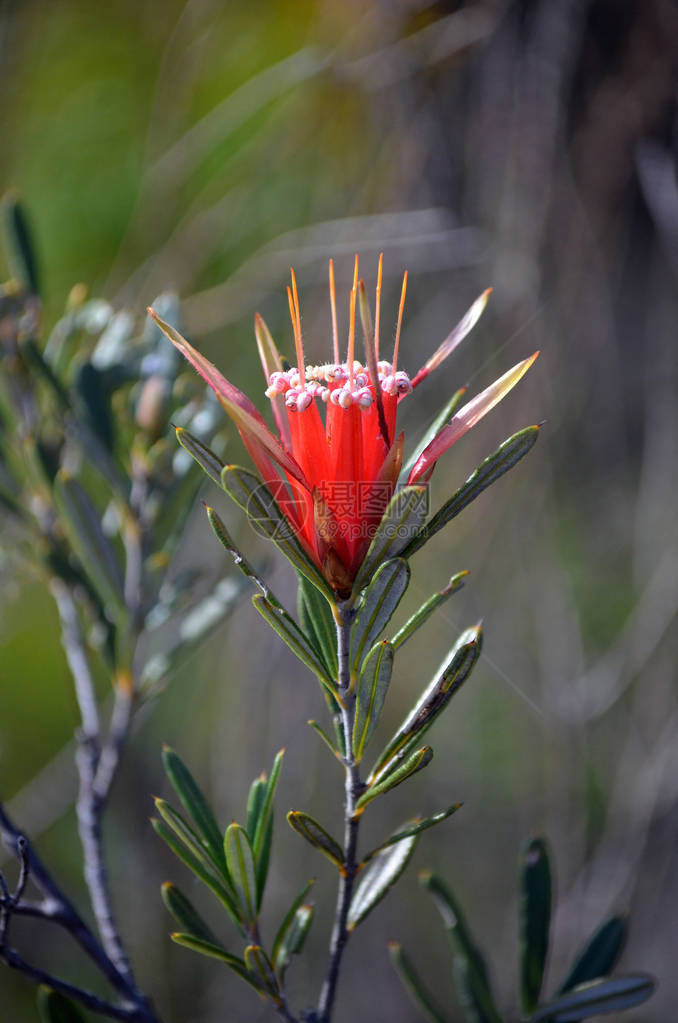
point(443, 417)
point(241, 867)
point(427, 608)
point(288, 920)
point(293, 942)
point(415, 827)
point(597, 998)
point(400, 523)
point(535, 920)
point(325, 738)
point(317, 621)
point(210, 463)
point(190, 838)
point(289, 631)
point(371, 690)
point(308, 828)
point(503, 459)
point(599, 955)
point(266, 518)
point(197, 865)
point(185, 913)
point(380, 600)
point(448, 680)
point(267, 808)
point(56, 1008)
point(412, 764)
point(20, 251)
point(224, 538)
point(469, 970)
point(378, 877)
point(195, 804)
point(411, 981)
point(260, 967)
point(94, 400)
point(206, 948)
point(94, 549)
point(263, 835)
point(255, 803)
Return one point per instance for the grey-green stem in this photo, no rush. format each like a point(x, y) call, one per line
point(352, 792)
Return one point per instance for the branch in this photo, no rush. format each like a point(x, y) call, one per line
point(353, 790)
point(57, 908)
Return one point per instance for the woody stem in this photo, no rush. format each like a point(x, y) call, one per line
point(352, 791)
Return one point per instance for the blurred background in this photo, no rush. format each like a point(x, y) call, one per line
point(531, 146)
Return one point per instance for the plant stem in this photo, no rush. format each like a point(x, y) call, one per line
point(352, 791)
point(58, 909)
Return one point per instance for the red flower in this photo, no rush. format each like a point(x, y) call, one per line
point(333, 475)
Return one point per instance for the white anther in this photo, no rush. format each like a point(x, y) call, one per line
point(402, 382)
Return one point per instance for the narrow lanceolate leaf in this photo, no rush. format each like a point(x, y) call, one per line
point(427, 609)
point(503, 459)
point(466, 418)
point(56, 1008)
point(255, 804)
point(260, 967)
point(289, 631)
point(535, 920)
point(443, 417)
point(378, 878)
point(319, 731)
point(380, 600)
point(454, 338)
point(469, 970)
point(371, 690)
point(210, 463)
point(252, 427)
point(288, 919)
point(599, 955)
point(596, 999)
point(19, 246)
point(399, 525)
point(294, 940)
point(315, 834)
point(195, 804)
point(412, 983)
point(187, 835)
point(94, 549)
point(415, 827)
point(317, 621)
point(185, 913)
point(449, 679)
point(414, 762)
point(207, 948)
point(224, 538)
point(194, 863)
point(266, 518)
point(263, 833)
point(240, 861)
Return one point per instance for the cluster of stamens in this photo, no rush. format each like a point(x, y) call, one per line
point(335, 383)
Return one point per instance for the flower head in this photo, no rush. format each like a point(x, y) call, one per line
point(335, 461)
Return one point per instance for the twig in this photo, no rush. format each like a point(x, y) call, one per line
point(353, 790)
point(57, 908)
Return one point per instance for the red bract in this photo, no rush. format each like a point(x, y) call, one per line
point(333, 474)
